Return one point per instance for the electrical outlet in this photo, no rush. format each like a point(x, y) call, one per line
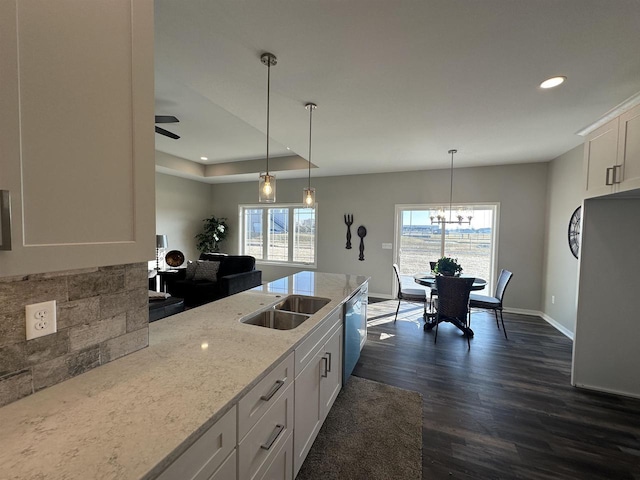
point(387, 246)
point(553, 299)
point(41, 319)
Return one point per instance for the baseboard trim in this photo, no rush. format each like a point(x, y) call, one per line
point(558, 326)
point(381, 295)
point(606, 390)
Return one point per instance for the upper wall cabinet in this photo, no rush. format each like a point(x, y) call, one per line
point(78, 145)
point(612, 156)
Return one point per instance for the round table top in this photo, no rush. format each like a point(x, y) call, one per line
point(429, 280)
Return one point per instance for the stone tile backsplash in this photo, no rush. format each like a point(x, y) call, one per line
point(102, 314)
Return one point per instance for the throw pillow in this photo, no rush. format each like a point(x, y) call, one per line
point(191, 270)
point(207, 271)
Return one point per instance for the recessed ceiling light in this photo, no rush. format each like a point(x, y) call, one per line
point(204, 158)
point(288, 148)
point(552, 82)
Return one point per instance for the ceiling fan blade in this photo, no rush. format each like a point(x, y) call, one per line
point(167, 133)
point(166, 119)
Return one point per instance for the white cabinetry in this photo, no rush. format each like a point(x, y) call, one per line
point(317, 384)
point(612, 156)
point(629, 149)
point(77, 153)
point(265, 423)
point(211, 457)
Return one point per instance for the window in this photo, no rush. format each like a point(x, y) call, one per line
point(419, 242)
point(290, 233)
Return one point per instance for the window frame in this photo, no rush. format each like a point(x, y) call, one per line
point(291, 207)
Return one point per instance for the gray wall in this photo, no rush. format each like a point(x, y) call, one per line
point(520, 190)
point(181, 205)
point(565, 193)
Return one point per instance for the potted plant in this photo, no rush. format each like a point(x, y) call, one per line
point(448, 266)
point(215, 231)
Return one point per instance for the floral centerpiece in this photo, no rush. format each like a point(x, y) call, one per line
point(215, 231)
point(448, 266)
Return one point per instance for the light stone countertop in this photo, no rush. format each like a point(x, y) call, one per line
point(130, 418)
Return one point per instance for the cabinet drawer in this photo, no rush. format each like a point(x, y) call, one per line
point(281, 466)
point(309, 347)
point(260, 446)
point(202, 458)
point(255, 403)
point(227, 470)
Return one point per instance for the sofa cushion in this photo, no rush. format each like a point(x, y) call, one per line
point(207, 271)
point(236, 264)
point(191, 270)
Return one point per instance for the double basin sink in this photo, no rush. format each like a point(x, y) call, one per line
point(288, 313)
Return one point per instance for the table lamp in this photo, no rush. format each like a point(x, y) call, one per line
point(161, 244)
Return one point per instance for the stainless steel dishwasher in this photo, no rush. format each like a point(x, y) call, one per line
point(355, 329)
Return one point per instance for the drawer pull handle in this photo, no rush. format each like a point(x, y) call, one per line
point(329, 368)
point(272, 392)
point(616, 170)
point(326, 367)
point(608, 180)
point(272, 439)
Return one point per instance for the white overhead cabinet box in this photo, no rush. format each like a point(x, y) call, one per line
point(77, 156)
point(612, 156)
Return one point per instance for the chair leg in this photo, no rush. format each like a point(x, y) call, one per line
point(397, 310)
point(495, 312)
point(503, 328)
point(435, 340)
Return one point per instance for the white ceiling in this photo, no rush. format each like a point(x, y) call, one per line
point(397, 83)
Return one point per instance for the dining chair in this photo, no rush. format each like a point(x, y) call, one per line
point(415, 295)
point(493, 303)
point(452, 304)
point(434, 291)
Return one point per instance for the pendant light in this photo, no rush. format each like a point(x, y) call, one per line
point(309, 194)
point(267, 183)
point(461, 215)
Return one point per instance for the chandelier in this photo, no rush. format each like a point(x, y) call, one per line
point(460, 215)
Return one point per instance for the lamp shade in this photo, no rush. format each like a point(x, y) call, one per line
point(161, 241)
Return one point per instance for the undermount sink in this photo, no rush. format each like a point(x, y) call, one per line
point(276, 319)
point(302, 304)
point(288, 313)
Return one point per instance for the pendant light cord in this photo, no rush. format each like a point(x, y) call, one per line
point(268, 101)
point(310, 120)
point(451, 185)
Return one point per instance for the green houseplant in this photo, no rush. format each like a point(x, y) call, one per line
point(447, 266)
point(215, 231)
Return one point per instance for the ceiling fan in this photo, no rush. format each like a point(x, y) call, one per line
point(166, 119)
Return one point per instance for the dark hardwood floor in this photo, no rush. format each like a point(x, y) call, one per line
point(505, 409)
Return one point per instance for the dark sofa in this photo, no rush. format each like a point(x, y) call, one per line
point(199, 283)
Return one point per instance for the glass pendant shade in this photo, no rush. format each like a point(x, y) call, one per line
point(309, 197)
point(267, 188)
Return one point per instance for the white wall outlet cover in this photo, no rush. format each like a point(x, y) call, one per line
point(387, 246)
point(41, 319)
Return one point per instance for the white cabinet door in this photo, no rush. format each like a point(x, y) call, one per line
point(629, 149)
point(331, 385)
point(77, 133)
point(316, 388)
point(308, 409)
point(600, 157)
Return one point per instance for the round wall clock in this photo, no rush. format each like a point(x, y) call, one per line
point(574, 231)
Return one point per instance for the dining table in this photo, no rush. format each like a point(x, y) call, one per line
point(429, 280)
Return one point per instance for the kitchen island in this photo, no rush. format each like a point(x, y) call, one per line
point(131, 418)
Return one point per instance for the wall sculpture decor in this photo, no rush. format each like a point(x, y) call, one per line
point(348, 220)
point(362, 232)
